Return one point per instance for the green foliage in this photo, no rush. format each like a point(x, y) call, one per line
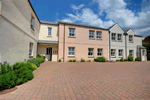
point(70, 60)
point(33, 66)
point(40, 59)
point(88, 60)
point(7, 80)
point(138, 59)
point(121, 60)
point(59, 60)
point(82, 60)
point(117, 60)
point(74, 60)
point(125, 59)
point(100, 59)
point(147, 45)
point(34, 61)
point(130, 58)
point(5, 68)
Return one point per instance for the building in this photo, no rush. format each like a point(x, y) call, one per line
point(19, 31)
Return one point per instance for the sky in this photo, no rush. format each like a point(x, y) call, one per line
point(133, 14)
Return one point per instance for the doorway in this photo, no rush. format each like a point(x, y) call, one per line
point(48, 54)
point(143, 55)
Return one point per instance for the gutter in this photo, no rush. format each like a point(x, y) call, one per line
point(64, 46)
point(109, 47)
point(126, 45)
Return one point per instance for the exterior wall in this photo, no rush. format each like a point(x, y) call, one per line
point(81, 42)
point(116, 44)
point(43, 35)
point(42, 51)
point(16, 34)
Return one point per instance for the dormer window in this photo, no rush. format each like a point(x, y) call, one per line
point(32, 22)
point(130, 38)
point(113, 36)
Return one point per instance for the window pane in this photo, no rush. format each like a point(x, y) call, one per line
point(71, 32)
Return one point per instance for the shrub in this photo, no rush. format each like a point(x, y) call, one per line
point(82, 60)
point(34, 61)
point(74, 60)
point(122, 60)
point(33, 66)
point(138, 59)
point(125, 59)
point(117, 60)
point(7, 80)
point(100, 59)
point(130, 58)
point(5, 68)
point(39, 60)
point(59, 60)
point(88, 60)
point(70, 60)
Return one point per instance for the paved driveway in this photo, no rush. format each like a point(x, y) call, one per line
point(86, 81)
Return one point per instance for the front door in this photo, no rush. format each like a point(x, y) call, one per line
point(48, 54)
point(143, 55)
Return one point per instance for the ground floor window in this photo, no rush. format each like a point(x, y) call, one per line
point(31, 49)
point(131, 53)
point(99, 52)
point(120, 53)
point(90, 52)
point(113, 52)
point(71, 51)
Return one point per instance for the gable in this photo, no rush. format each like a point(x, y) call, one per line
point(131, 32)
point(116, 29)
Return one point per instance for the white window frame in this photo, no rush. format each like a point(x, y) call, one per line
point(132, 53)
point(98, 35)
point(119, 37)
point(50, 31)
point(113, 35)
point(99, 51)
point(31, 49)
point(113, 50)
point(91, 51)
point(129, 39)
point(71, 32)
point(32, 23)
point(71, 51)
point(119, 52)
point(91, 34)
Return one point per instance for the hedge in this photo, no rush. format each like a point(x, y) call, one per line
point(100, 59)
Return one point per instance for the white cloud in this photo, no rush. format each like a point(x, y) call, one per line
point(67, 20)
point(74, 7)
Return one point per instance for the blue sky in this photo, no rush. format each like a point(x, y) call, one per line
point(133, 14)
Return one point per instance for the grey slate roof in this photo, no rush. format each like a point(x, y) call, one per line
point(81, 25)
point(140, 46)
point(48, 22)
point(48, 42)
point(127, 30)
point(138, 35)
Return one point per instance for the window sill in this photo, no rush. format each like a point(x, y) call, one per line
point(71, 56)
point(90, 56)
point(92, 38)
point(30, 56)
point(120, 56)
point(114, 41)
point(113, 57)
point(130, 42)
point(98, 39)
point(71, 37)
point(49, 36)
point(119, 41)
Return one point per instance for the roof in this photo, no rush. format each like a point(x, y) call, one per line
point(112, 26)
point(141, 47)
point(138, 35)
point(33, 10)
point(127, 30)
point(47, 42)
point(48, 22)
point(81, 25)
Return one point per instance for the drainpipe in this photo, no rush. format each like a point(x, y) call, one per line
point(64, 46)
point(109, 47)
point(126, 45)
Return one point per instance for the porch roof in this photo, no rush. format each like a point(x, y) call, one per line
point(141, 47)
point(48, 42)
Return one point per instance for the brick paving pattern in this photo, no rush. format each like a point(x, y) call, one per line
point(86, 81)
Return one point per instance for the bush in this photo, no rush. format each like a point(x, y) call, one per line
point(100, 59)
point(88, 60)
point(122, 60)
point(34, 61)
point(5, 68)
point(70, 61)
point(82, 60)
point(117, 60)
point(7, 80)
point(125, 59)
point(34, 66)
point(130, 58)
point(59, 60)
point(74, 60)
point(138, 59)
point(39, 59)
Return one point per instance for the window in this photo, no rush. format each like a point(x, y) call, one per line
point(113, 36)
point(131, 53)
point(91, 34)
point(119, 37)
point(90, 52)
point(30, 49)
point(71, 32)
point(113, 52)
point(49, 31)
point(130, 38)
point(99, 52)
point(32, 22)
point(71, 51)
point(120, 53)
point(99, 35)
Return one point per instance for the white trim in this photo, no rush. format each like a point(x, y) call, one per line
point(74, 32)
point(122, 53)
point(0, 7)
point(114, 26)
point(48, 31)
point(71, 51)
point(88, 52)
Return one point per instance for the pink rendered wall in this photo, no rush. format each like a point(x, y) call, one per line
point(81, 42)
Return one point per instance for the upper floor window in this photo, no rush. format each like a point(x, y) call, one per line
point(119, 37)
point(130, 38)
point(32, 22)
point(131, 53)
point(99, 52)
point(71, 51)
point(49, 31)
point(71, 32)
point(91, 34)
point(30, 49)
point(120, 53)
point(90, 52)
point(113, 52)
point(113, 36)
point(99, 35)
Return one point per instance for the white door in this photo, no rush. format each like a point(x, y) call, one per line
point(48, 56)
point(143, 55)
